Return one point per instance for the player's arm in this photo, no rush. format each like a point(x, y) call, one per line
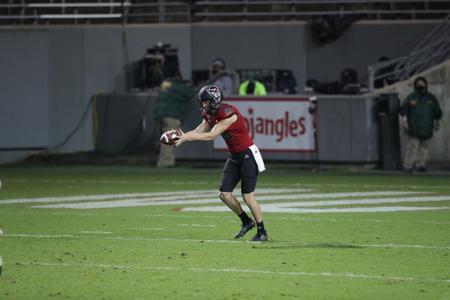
point(218, 129)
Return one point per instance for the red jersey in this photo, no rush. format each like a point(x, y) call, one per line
point(236, 136)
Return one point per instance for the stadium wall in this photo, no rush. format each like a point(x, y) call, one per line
point(50, 73)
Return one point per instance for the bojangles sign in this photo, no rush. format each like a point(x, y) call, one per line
point(276, 124)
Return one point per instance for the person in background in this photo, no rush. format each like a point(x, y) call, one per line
point(420, 113)
point(252, 87)
point(224, 80)
point(170, 108)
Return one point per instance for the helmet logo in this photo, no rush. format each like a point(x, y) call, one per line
point(215, 93)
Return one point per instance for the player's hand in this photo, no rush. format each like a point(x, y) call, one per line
point(183, 138)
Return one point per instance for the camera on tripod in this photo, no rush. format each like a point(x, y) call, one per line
point(159, 63)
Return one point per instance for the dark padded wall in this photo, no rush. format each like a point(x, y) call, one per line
point(125, 123)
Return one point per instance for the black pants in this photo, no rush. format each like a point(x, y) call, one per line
point(240, 167)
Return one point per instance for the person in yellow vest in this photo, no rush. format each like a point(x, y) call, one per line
point(252, 87)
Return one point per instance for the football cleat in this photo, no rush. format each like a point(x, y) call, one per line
point(260, 237)
point(244, 229)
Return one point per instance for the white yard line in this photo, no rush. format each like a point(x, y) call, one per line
point(191, 182)
point(348, 275)
point(277, 209)
point(148, 229)
point(197, 225)
point(53, 181)
point(95, 232)
point(70, 236)
point(153, 196)
point(437, 222)
point(346, 219)
point(104, 197)
point(186, 216)
point(299, 207)
point(173, 200)
point(401, 246)
point(360, 201)
point(346, 185)
point(231, 217)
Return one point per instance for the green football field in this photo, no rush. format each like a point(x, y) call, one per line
point(145, 233)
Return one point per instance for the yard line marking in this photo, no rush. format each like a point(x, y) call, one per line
point(154, 196)
point(190, 216)
point(276, 209)
point(71, 236)
point(400, 186)
point(96, 232)
point(148, 229)
point(197, 225)
point(153, 202)
point(230, 217)
point(293, 207)
point(437, 222)
point(53, 181)
point(379, 221)
point(360, 201)
point(109, 181)
point(102, 197)
point(350, 275)
point(390, 245)
point(345, 219)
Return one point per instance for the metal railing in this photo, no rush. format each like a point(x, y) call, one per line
point(100, 11)
point(432, 50)
point(161, 11)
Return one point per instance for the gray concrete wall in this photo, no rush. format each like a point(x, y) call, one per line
point(47, 77)
point(23, 89)
point(66, 87)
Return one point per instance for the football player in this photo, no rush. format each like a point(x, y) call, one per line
point(244, 162)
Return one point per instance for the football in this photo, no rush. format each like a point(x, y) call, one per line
point(170, 137)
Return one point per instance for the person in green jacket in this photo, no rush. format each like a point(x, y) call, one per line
point(252, 87)
point(420, 113)
point(170, 108)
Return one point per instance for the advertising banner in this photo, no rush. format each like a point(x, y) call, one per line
point(275, 124)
